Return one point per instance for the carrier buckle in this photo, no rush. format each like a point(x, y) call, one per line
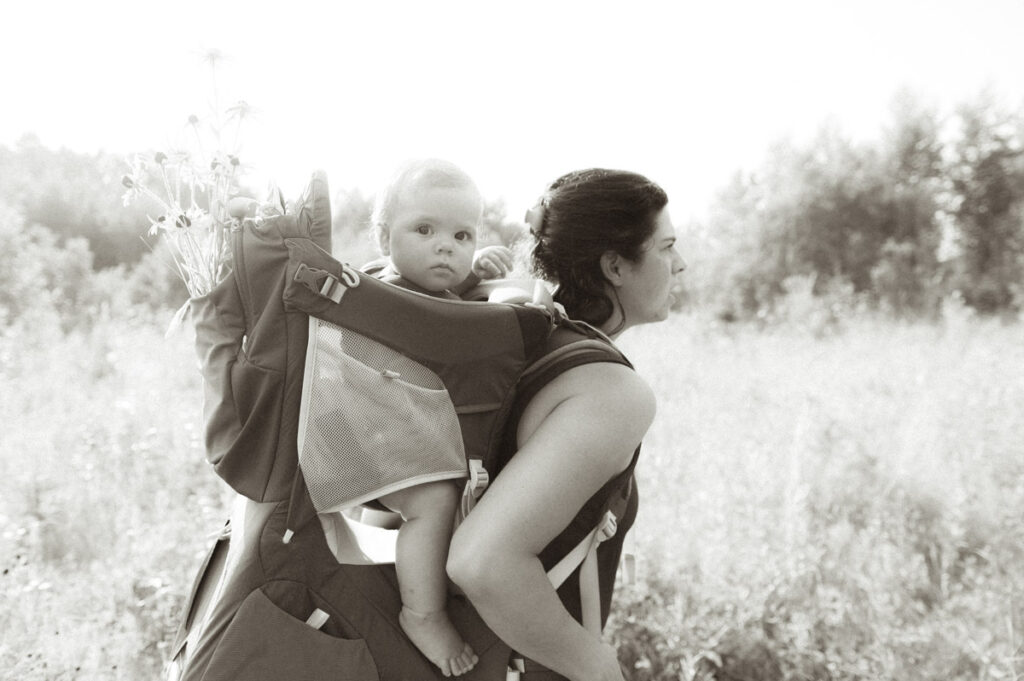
point(323, 283)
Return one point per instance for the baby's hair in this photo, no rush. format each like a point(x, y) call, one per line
point(422, 172)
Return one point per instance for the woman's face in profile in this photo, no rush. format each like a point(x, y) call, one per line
point(646, 292)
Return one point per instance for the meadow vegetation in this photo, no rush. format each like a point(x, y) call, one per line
point(817, 503)
point(843, 505)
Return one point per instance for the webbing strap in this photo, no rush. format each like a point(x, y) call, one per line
point(560, 354)
point(590, 595)
point(583, 556)
point(572, 560)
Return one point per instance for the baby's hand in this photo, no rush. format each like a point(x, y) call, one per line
point(492, 262)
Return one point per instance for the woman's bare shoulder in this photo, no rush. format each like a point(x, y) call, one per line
point(608, 397)
point(608, 380)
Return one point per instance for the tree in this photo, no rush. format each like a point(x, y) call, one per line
point(73, 195)
point(840, 215)
point(987, 204)
point(907, 274)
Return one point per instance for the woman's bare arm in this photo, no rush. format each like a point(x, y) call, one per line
point(576, 434)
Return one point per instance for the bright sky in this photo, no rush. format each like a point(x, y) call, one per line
point(515, 92)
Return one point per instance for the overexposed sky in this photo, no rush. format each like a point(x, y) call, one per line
point(516, 92)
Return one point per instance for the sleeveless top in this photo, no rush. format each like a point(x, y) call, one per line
point(618, 494)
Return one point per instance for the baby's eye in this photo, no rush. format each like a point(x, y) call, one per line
point(464, 236)
point(423, 229)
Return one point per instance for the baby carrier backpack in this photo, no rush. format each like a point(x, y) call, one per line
point(325, 389)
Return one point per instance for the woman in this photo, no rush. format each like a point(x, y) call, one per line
point(606, 239)
point(311, 603)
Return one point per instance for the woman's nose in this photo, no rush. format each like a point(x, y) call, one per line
point(679, 264)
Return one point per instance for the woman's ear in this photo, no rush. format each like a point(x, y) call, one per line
point(611, 265)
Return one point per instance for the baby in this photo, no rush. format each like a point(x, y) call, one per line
point(425, 222)
point(427, 202)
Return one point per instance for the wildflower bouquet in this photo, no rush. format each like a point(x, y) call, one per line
point(195, 194)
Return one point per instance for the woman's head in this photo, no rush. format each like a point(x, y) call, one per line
point(605, 237)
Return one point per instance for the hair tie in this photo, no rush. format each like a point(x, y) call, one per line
point(535, 218)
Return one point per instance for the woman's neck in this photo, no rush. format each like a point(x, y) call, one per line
point(614, 327)
point(616, 324)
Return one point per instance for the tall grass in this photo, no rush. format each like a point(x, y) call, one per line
point(843, 505)
point(104, 497)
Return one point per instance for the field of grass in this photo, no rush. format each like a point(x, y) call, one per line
point(837, 505)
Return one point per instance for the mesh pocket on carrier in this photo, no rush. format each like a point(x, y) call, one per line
point(372, 421)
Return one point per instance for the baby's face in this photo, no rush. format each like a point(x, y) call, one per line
point(432, 235)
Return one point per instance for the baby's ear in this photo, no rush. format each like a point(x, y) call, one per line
point(382, 239)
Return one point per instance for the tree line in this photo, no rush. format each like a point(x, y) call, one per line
point(933, 208)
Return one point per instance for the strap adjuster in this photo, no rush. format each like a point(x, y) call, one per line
point(607, 528)
point(516, 668)
point(475, 486)
point(479, 478)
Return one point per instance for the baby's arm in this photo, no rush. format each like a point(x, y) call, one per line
point(492, 262)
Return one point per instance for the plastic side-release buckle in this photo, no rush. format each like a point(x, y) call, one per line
point(323, 283)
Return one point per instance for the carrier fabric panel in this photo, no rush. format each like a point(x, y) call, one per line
point(435, 332)
point(373, 421)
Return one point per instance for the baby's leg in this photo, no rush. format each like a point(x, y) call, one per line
point(420, 556)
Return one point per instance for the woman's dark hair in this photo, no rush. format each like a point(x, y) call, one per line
point(583, 215)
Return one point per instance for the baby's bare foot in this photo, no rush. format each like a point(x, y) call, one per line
point(436, 637)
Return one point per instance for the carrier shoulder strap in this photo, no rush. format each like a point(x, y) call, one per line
point(575, 344)
point(571, 344)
